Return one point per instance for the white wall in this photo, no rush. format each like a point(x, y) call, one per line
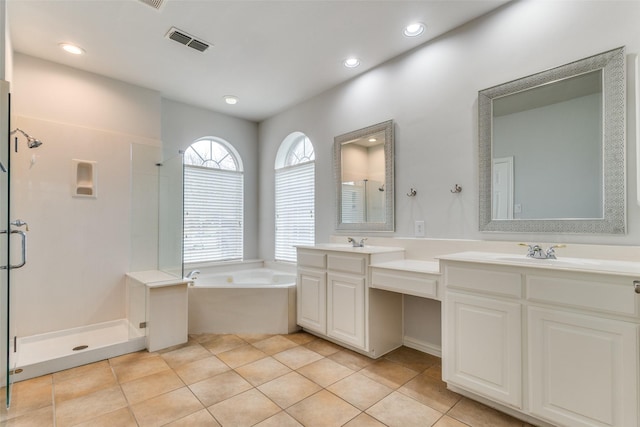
point(182, 124)
point(431, 93)
point(80, 248)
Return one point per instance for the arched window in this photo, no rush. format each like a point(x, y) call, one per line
point(213, 202)
point(295, 196)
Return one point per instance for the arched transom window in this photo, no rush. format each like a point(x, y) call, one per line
point(213, 202)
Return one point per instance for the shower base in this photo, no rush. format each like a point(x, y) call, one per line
point(54, 351)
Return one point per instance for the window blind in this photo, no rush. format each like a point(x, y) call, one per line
point(295, 209)
point(213, 214)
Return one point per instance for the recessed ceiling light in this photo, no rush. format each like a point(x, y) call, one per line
point(372, 140)
point(351, 62)
point(230, 99)
point(414, 30)
point(71, 48)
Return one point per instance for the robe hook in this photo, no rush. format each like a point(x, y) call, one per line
point(456, 189)
point(412, 192)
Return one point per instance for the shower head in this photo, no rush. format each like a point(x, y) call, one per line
point(31, 141)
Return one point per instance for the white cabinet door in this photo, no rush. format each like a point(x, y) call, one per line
point(583, 369)
point(345, 309)
point(482, 351)
point(312, 300)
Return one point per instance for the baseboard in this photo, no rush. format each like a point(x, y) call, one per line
point(425, 347)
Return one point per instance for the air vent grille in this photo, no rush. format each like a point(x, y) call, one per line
point(156, 4)
point(188, 40)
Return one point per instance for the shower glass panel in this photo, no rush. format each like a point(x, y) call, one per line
point(170, 216)
point(6, 347)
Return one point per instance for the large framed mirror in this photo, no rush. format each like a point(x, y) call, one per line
point(552, 150)
point(363, 167)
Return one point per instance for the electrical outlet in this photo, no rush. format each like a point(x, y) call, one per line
point(418, 228)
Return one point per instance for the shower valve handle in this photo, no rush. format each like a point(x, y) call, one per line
point(20, 223)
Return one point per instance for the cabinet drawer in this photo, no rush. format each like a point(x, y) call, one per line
point(314, 259)
point(505, 283)
point(608, 295)
point(416, 284)
point(355, 264)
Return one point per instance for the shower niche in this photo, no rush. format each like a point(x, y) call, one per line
point(84, 178)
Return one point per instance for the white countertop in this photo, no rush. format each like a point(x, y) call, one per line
point(620, 268)
point(157, 278)
point(344, 247)
point(414, 265)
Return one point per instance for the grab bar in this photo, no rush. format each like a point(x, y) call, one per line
point(23, 239)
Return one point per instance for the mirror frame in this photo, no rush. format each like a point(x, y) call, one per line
point(612, 64)
point(389, 224)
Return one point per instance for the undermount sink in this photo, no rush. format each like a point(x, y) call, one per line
point(577, 262)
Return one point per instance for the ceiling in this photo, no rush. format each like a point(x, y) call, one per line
point(270, 54)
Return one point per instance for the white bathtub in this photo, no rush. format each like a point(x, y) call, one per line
point(254, 301)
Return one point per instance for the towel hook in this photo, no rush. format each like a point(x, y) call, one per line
point(456, 189)
point(412, 192)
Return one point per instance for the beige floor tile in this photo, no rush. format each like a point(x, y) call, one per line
point(430, 391)
point(166, 408)
point(435, 372)
point(218, 388)
point(398, 410)
point(323, 409)
point(87, 407)
point(120, 418)
point(412, 359)
point(325, 372)
point(478, 415)
point(364, 420)
point(80, 371)
point(275, 344)
point(27, 396)
point(389, 373)
point(447, 421)
point(255, 408)
point(201, 369)
point(281, 419)
point(323, 347)
point(351, 359)
point(360, 391)
point(221, 343)
point(99, 377)
point(202, 418)
point(252, 338)
point(289, 389)
point(300, 338)
point(130, 370)
point(241, 356)
point(297, 357)
point(131, 357)
point(184, 355)
point(151, 386)
point(262, 371)
point(200, 338)
point(42, 417)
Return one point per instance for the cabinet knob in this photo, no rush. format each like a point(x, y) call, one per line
point(636, 286)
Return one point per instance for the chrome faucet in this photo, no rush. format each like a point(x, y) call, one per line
point(355, 243)
point(193, 274)
point(536, 251)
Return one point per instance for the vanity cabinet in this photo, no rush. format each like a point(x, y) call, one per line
point(334, 299)
point(551, 341)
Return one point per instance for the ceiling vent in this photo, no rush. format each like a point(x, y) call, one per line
point(187, 40)
point(156, 4)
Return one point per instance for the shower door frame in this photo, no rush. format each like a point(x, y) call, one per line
point(5, 251)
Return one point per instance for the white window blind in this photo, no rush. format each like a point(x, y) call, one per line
point(295, 209)
point(213, 214)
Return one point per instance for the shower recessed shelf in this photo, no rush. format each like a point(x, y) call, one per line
point(84, 178)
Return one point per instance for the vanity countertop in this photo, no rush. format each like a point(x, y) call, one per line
point(343, 247)
point(619, 268)
point(414, 265)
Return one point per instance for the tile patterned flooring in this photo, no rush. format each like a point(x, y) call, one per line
point(250, 380)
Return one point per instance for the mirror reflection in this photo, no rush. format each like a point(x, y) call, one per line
point(364, 178)
point(552, 149)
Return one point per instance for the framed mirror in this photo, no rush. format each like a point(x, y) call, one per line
point(552, 150)
point(363, 167)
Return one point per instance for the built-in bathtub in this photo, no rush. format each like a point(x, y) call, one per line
point(251, 301)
